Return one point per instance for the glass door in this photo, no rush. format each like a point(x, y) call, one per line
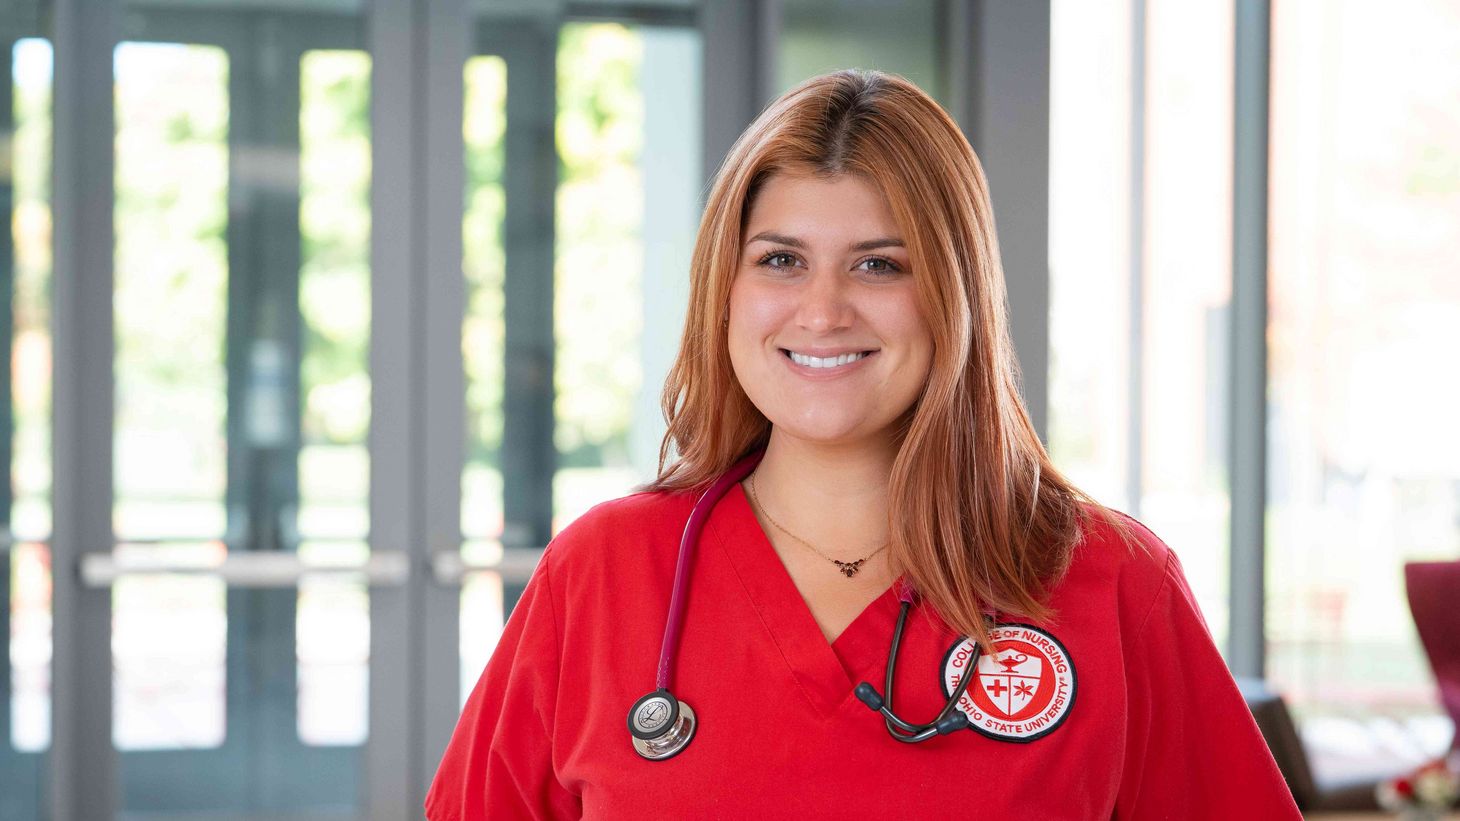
point(242, 329)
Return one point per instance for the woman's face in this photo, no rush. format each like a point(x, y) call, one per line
point(825, 332)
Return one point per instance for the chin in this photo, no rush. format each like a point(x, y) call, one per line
point(823, 431)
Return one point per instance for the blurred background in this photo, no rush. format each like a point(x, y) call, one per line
point(322, 317)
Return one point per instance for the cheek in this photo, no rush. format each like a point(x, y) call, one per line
point(755, 313)
point(917, 341)
point(902, 320)
point(744, 332)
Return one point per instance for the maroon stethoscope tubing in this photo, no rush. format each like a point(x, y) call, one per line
point(687, 544)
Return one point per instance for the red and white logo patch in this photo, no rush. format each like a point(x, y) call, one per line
point(1020, 693)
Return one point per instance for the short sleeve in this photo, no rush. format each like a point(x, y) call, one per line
point(498, 763)
point(1193, 749)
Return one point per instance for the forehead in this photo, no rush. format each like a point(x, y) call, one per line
point(846, 204)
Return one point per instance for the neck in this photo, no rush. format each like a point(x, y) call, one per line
point(835, 496)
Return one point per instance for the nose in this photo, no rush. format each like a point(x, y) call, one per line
point(825, 304)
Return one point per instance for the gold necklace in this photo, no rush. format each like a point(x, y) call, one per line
point(848, 569)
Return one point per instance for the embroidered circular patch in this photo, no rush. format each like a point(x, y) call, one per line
point(1020, 693)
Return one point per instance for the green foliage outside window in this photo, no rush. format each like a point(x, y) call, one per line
point(599, 258)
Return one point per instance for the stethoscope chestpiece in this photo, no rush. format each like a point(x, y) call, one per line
point(661, 725)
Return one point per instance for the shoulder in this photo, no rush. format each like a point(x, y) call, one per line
point(1114, 539)
point(1125, 557)
point(616, 526)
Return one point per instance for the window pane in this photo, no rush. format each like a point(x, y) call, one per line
point(1188, 273)
point(599, 262)
point(628, 208)
point(169, 641)
point(25, 501)
point(30, 648)
point(333, 619)
point(1365, 320)
point(30, 513)
point(483, 340)
point(484, 128)
point(171, 314)
point(30, 509)
point(1089, 246)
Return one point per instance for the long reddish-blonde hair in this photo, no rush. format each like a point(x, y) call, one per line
point(978, 516)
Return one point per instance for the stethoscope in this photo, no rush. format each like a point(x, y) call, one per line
point(662, 725)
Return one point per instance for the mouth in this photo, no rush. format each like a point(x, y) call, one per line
point(825, 364)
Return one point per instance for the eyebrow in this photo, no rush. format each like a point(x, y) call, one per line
point(866, 245)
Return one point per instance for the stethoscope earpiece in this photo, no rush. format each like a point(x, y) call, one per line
point(661, 725)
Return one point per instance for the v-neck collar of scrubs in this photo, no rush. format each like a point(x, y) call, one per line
point(826, 672)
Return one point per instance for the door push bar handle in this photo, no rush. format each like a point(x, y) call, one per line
point(270, 569)
point(449, 569)
point(384, 568)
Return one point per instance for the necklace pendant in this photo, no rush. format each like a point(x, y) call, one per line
point(849, 569)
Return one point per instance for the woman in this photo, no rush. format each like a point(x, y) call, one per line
point(846, 352)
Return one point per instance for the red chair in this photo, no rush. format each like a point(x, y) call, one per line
point(1434, 600)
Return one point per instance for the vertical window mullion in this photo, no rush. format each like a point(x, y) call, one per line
point(81, 737)
point(1247, 467)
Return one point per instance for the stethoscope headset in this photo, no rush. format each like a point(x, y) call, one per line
point(662, 725)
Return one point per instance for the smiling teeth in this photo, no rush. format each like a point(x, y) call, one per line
point(827, 362)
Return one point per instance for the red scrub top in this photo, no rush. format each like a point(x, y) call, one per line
point(1120, 706)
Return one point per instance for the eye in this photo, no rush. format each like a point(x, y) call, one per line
point(765, 260)
point(888, 266)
